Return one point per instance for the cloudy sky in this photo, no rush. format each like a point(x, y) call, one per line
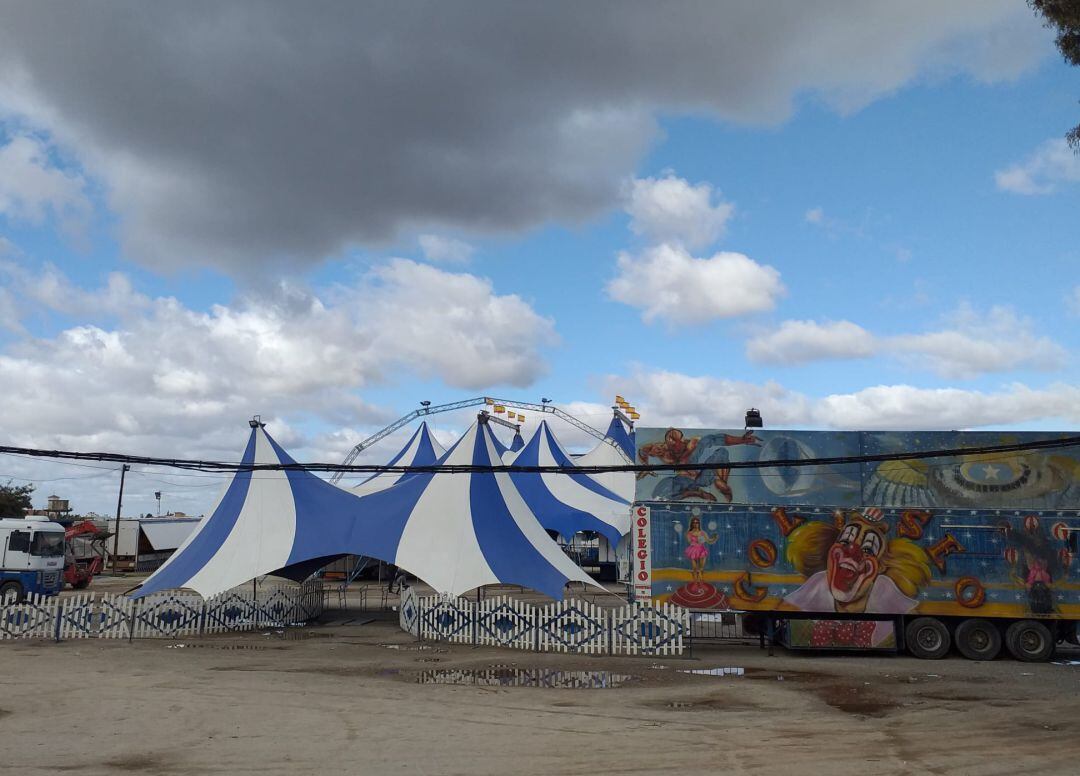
point(849, 216)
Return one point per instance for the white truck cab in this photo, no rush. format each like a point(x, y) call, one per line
point(31, 558)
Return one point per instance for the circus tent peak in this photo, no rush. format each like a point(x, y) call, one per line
point(422, 449)
point(571, 501)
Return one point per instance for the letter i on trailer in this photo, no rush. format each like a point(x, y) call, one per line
point(973, 551)
point(31, 558)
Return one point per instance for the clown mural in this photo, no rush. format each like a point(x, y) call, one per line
point(855, 568)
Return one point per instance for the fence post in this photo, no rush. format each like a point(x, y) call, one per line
point(59, 618)
point(131, 620)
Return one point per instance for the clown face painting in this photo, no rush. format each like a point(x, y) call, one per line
point(854, 561)
point(863, 570)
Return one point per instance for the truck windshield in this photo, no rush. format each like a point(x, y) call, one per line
point(47, 544)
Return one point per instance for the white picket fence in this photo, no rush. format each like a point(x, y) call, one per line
point(161, 615)
point(564, 626)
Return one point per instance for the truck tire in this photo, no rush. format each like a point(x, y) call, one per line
point(928, 638)
point(978, 639)
point(1030, 641)
point(11, 592)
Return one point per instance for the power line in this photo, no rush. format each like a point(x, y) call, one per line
point(230, 466)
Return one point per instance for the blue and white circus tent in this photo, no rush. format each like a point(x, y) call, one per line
point(517, 442)
point(570, 502)
point(455, 531)
point(462, 531)
point(421, 450)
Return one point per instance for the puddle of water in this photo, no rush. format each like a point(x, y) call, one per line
point(219, 646)
point(298, 635)
point(410, 647)
point(731, 671)
point(853, 701)
point(509, 676)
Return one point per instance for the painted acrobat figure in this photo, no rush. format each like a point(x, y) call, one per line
point(696, 551)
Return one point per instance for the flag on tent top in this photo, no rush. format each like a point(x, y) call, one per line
point(571, 502)
point(454, 531)
point(420, 450)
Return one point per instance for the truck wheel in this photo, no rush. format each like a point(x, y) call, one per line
point(80, 584)
point(928, 638)
point(1030, 641)
point(11, 592)
point(978, 639)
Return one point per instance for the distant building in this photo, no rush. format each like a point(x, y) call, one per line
point(145, 543)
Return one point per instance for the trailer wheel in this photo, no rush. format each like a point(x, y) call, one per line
point(978, 639)
point(928, 638)
point(11, 592)
point(1030, 641)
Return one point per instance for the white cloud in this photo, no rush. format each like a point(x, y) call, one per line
point(815, 215)
point(454, 327)
point(438, 248)
point(672, 398)
point(975, 344)
point(800, 342)
point(32, 188)
point(469, 132)
point(670, 210)
point(907, 407)
point(666, 282)
point(708, 402)
point(1044, 172)
point(169, 373)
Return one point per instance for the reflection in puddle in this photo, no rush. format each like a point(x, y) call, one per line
point(714, 671)
point(218, 646)
point(507, 676)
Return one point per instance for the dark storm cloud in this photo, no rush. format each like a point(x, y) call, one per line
point(236, 133)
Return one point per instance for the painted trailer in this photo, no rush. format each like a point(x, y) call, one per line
point(974, 551)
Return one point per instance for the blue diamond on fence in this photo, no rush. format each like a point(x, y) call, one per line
point(232, 613)
point(18, 618)
point(504, 624)
point(170, 617)
point(571, 627)
point(409, 612)
point(445, 619)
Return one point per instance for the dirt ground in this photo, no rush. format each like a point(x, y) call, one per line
point(352, 696)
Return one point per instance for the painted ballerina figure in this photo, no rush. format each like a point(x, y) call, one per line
point(696, 551)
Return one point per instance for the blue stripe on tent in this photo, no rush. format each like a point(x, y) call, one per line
point(517, 442)
point(581, 479)
point(209, 540)
point(513, 558)
point(552, 513)
point(616, 432)
point(333, 521)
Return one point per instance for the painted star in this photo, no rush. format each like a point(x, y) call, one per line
point(990, 472)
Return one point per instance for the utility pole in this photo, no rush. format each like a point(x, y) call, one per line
point(119, 503)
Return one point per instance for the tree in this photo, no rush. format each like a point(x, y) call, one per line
point(15, 499)
point(1064, 17)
